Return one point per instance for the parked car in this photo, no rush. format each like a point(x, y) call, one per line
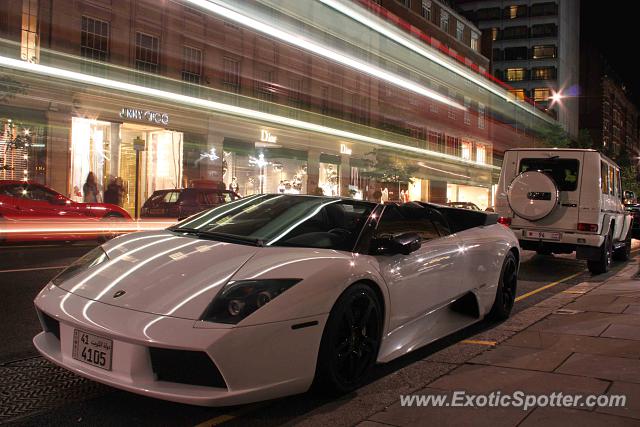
point(184, 202)
point(261, 297)
point(32, 205)
point(565, 200)
point(464, 205)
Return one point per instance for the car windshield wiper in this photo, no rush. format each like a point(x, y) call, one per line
point(230, 238)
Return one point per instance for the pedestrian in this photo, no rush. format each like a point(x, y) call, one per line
point(122, 192)
point(111, 194)
point(90, 189)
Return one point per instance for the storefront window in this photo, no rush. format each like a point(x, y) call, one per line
point(329, 176)
point(249, 169)
point(107, 150)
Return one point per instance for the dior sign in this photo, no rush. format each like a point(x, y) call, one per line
point(145, 116)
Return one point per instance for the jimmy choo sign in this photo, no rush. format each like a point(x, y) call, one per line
point(145, 116)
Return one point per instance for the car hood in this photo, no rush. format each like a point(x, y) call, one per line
point(161, 273)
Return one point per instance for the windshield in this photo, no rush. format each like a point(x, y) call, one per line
point(563, 171)
point(284, 220)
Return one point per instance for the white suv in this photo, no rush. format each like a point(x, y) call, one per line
point(565, 200)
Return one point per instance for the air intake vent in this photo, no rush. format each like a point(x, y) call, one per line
point(50, 324)
point(185, 367)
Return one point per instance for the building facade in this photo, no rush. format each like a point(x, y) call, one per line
point(290, 97)
point(606, 111)
point(535, 49)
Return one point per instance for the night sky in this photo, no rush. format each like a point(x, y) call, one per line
point(612, 27)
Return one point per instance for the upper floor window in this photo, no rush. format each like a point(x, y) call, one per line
point(30, 43)
point(494, 34)
point(467, 112)
point(544, 30)
point(426, 9)
point(231, 74)
point(515, 11)
point(444, 21)
point(514, 74)
point(544, 9)
point(488, 14)
point(147, 52)
point(544, 51)
point(518, 32)
point(474, 41)
point(191, 65)
point(518, 94)
point(541, 94)
point(515, 53)
point(481, 113)
point(405, 3)
point(543, 73)
point(459, 30)
point(94, 39)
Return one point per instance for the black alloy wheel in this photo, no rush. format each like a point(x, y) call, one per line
point(624, 253)
point(350, 341)
point(507, 287)
point(602, 264)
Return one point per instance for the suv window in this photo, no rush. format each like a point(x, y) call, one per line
point(604, 178)
point(406, 219)
point(564, 172)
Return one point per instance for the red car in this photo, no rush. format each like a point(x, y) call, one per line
point(31, 211)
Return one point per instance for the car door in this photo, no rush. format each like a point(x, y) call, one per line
point(11, 200)
point(425, 279)
point(41, 202)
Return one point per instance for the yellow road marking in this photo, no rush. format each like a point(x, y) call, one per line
point(479, 342)
point(550, 285)
point(220, 419)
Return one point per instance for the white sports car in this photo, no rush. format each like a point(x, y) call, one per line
point(265, 296)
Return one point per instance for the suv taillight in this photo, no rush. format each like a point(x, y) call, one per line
point(582, 226)
point(506, 221)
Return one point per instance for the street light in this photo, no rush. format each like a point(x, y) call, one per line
point(556, 97)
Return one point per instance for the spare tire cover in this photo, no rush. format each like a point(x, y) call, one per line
point(532, 195)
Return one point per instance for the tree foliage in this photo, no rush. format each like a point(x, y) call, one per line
point(555, 137)
point(388, 167)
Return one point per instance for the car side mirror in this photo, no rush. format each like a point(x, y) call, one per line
point(404, 244)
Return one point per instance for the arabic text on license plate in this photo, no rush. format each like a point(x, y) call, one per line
point(543, 235)
point(92, 349)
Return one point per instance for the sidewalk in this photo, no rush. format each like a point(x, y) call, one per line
point(584, 340)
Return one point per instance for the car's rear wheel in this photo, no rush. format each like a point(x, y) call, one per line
point(350, 341)
point(624, 253)
point(507, 287)
point(602, 264)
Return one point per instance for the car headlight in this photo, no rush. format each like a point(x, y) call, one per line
point(90, 259)
point(239, 299)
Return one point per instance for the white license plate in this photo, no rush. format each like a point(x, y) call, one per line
point(92, 349)
point(544, 235)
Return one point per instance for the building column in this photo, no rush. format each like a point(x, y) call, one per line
point(58, 148)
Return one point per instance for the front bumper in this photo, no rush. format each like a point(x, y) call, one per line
point(256, 362)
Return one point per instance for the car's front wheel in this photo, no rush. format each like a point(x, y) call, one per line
point(507, 286)
point(350, 340)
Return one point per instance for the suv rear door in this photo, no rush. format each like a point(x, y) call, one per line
point(565, 169)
